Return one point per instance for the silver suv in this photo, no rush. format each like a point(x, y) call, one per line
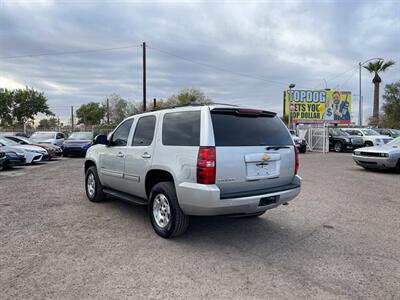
point(195, 160)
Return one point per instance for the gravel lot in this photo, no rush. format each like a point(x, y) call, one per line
point(339, 239)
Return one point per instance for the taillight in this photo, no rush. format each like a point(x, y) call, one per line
point(206, 165)
point(297, 162)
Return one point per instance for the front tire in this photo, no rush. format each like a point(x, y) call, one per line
point(398, 166)
point(94, 189)
point(338, 147)
point(166, 216)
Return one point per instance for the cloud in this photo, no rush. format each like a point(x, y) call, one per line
point(305, 42)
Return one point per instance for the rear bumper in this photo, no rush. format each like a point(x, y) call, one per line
point(375, 162)
point(205, 200)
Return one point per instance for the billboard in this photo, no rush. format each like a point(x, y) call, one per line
point(307, 106)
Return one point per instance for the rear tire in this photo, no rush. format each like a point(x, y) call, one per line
point(338, 147)
point(166, 216)
point(94, 189)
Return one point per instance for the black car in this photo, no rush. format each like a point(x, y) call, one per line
point(340, 140)
point(394, 133)
point(10, 158)
point(300, 143)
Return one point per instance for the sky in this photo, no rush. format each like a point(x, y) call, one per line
point(238, 52)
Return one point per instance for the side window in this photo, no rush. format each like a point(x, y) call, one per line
point(181, 129)
point(59, 136)
point(144, 131)
point(120, 136)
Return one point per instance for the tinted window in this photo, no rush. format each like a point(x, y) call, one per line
point(59, 136)
point(120, 136)
point(231, 129)
point(144, 132)
point(181, 129)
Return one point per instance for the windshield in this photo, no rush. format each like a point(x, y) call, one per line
point(42, 136)
point(231, 129)
point(337, 131)
point(7, 142)
point(22, 139)
point(396, 141)
point(81, 136)
point(370, 132)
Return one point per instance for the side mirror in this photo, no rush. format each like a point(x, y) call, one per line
point(100, 139)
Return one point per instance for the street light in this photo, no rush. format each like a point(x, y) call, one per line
point(360, 104)
point(292, 85)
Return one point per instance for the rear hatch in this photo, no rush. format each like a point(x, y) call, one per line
point(254, 152)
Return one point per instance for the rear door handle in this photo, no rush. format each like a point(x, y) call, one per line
point(120, 154)
point(146, 155)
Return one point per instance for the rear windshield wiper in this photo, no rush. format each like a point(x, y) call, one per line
point(277, 147)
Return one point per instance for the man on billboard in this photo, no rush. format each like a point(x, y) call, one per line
point(340, 109)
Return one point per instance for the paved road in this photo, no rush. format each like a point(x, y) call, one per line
point(339, 239)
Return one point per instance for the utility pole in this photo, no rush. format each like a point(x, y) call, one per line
point(154, 103)
point(144, 76)
point(360, 112)
point(108, 112)
point(72, 118)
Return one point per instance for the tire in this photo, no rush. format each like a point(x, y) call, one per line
point(338, 147)
point(398, 166)
point(93, 192)
point(163, 202)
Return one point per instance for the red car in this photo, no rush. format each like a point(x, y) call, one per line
point(52, 150)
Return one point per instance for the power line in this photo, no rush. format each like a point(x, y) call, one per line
point(216, 67)
point(70, 52)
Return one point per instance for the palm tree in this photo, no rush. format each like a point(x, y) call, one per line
point(375, 67)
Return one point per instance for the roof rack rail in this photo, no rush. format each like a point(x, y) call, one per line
point(176, 106)
point(220, 103)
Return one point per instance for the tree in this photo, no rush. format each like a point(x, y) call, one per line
point(185, 97)
point(391, 106)
point(120, 109)
point(22, 105)
point(50, 123)
point(90, 114)
point(6, 101)
point(376, 67)
point(28, 103)
point(189, 96)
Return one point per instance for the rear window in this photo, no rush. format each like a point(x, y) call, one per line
point(231, 129)
point(181, 129)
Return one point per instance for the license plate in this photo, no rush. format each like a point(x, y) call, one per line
point(260, 170)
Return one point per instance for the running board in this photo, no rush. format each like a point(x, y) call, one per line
point(126, 197)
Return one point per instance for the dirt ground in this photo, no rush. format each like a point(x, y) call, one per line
point(339, 239)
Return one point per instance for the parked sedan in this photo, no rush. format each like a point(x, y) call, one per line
point(340, 140)
point(12, 157)
point(48, 137)
point(52, 150)
point(32, 153)
point(385, 156)
point(394, 133)
point(78, 143)
point(300, 143)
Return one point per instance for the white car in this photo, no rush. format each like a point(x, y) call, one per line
point(48, 137)
point(32, 153)
point(370, 137)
